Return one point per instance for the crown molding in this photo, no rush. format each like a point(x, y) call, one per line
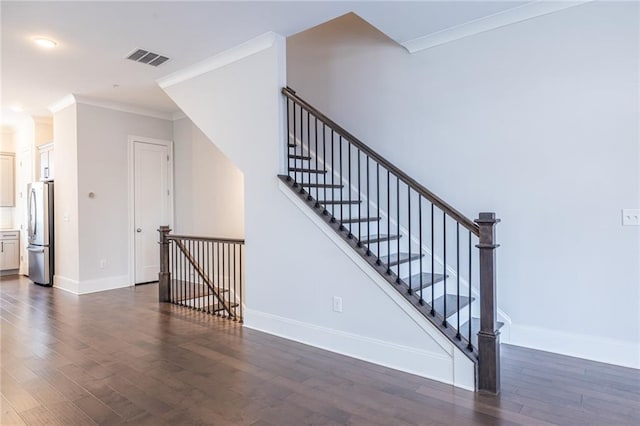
point(226, 57)
point(488, 23)
point(116, 106)
point(132, 109)
point(178, 115)
point(68, 100)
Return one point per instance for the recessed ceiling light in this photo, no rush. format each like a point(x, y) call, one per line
point(17, 108)
point(45, 43)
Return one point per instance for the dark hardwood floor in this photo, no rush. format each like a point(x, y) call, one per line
point(119, 357)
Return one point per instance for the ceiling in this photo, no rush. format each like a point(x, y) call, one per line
point(94, 38)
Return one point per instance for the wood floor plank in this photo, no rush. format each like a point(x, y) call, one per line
point(119, 357)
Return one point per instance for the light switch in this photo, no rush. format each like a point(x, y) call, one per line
point(630, 217)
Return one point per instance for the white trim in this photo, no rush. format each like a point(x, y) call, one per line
point(130, 196)
point(68, 100)
point(66, 284)
point(392, 355)
point(241, 51)
point(488, 23)
point(132, 109)
point(178, 115)
point(610, 351)
point(116, 106)
point(90, 286)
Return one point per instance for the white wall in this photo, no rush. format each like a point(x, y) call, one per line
point(537, 121)
point(67, 266)
point(102, 142)
point(7, 144)
point(292, 268)
point(209, 188)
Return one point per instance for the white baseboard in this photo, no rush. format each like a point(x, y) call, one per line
point(66, 284)
point(399, 357)
point(610, 351)
point(90, 286)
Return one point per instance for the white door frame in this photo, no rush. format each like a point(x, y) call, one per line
point(131, 196)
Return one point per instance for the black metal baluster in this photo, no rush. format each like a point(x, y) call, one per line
point(301, 148)
point(315, 143)
point(433, 308)
point(241, 297)
point(333, 191)
point(388, 223)
point(420, 244)
point(470, 344)
point(409, 236)
point(359, 203)
point(308, 152)
point(206, 273)
point(398, 222)
point(229, 275)
point(324, 162)
point(458, 276)
point(295, 138)
point(444, 266)
point(235, 290)
point(378, 206)
point(368, 212)
point(220, 283)
point(172, 271)
point(349, 185)
point(197, 284)
point(341, 195)
point(288, 139)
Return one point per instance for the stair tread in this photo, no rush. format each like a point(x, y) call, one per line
point(303, 170)
point(192, 290)
point(322, 185)
point(381, 237)
point(299, 157)
point(452, 304)
point(328, 202)
point(404, 257)
point(426, 280)
point(360, 219)
point(475, 326)
point(216, 307)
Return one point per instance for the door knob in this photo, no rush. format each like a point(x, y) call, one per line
point(139, 230)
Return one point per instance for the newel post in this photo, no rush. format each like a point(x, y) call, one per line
point(164, 276)
point(488, 337)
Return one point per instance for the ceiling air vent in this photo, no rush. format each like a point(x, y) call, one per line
point(146, 57)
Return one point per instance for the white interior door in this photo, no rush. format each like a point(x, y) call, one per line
point(152, 206)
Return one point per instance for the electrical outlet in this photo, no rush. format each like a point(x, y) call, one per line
point(630, 217)
point(337, 304)
point(103, 263)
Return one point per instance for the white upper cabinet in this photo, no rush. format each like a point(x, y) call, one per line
point(46, 161)
point(7, 180)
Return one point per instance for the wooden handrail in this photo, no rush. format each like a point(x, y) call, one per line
point(408, 180)
point(200, 238)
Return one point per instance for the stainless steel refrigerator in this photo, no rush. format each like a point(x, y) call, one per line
point(40, 248)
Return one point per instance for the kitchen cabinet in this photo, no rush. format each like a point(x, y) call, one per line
point(46, 161)
point(9, 250)
point(7, 180)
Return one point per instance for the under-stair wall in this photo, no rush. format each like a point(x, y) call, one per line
point(294, 267)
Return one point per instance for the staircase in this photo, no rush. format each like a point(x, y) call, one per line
point(202, 273)
point(439, 260)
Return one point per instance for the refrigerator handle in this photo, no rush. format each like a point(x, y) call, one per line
point(33, 210)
